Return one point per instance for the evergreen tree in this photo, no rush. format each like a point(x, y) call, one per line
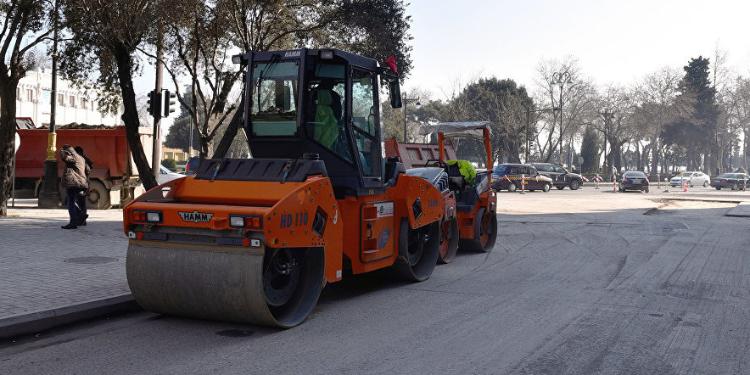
point(590, 151)
point(696, 131)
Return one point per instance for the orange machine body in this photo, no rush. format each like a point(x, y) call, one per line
point(487, 199)
point(364, 229)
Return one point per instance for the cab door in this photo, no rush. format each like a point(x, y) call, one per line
point(377, 224)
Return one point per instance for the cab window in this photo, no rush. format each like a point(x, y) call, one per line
point(327, 90)
point(363, 122)
point(274, 102)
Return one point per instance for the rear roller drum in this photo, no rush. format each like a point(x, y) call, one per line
point(418, 251)
point(448, 240)
point(485, 233)
point(272, 287)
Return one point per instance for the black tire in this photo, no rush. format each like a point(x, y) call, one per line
point(718, 188)
point(705, 184)
point(98, 197)
point(418, 251)
point(545, 188)
point(295, 297)
point(485, 233)
point(560, 187)
point(449, 237)
point(645, 190)
point(575, 184)
point(512, 187)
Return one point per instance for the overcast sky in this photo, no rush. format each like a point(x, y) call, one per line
point(615, 41)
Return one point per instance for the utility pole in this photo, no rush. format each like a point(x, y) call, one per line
point(49, 196)
point(156, 155)
point(406, 101)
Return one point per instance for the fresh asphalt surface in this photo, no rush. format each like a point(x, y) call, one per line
point(583, 282)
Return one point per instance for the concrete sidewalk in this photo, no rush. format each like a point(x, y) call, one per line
point(50, 273)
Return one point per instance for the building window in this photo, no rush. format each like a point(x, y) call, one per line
point(30, 95)
point(85, 103)
point(45, 96)
point(18, 94)
point(61, 100)
point(72, 100)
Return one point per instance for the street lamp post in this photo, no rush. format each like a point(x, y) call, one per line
point(406, 101)
point(560, 79)
point(528, 127)
point(48, 195)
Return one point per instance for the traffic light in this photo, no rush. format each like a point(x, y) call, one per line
point(154, 103)
point(170, 103)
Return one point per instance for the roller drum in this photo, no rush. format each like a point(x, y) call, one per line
point(218, 282)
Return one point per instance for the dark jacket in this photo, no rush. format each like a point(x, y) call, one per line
point(75, 169)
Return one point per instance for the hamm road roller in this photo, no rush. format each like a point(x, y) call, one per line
point(255, 240)
point(470, 220)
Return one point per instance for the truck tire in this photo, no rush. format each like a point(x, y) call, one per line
point(98, 197)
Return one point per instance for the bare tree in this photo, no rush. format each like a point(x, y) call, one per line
point(616, 108)
point(737, 104)
point(573, 98)
point(105, 37)
point(655, 96)
point(198, 48)
point(23, 28)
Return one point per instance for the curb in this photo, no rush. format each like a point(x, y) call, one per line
point(24, 324)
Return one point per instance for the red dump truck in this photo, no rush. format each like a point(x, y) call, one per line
point(114, 177)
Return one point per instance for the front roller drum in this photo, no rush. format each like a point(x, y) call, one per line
point(418, 251)
point(271, 287)
point(448, 240)
point(485, 233)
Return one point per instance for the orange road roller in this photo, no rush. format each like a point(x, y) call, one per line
point(469, 221)
point(255, 240)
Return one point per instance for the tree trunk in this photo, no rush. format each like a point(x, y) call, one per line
point(7, 142)
point(654, 156)
point(639, 162)
point(231, 132)
point(124, 59)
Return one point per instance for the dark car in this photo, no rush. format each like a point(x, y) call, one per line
point(734, 181)
point(559, 175)
point(191, 167)
point(634, 180)
point(509, 176)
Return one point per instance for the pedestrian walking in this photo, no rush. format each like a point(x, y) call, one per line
point(83, 197)
point(75, 183)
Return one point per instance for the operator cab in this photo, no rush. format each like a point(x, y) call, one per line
point(322, 102)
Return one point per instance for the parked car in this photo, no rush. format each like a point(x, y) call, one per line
point(692, 178)
point(634, 180)
point(559, 175)
point(508, 177)
point(734, 181)
point(165, 175)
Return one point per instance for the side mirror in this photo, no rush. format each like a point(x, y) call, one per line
point(395, 91)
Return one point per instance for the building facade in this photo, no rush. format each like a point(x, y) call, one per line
point(73, 104)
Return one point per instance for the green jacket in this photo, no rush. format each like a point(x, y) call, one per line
point(466, 169)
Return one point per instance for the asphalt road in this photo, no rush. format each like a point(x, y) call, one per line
point(579, 282)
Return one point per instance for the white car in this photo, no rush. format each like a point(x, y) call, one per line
point(692, 178)
point(165, 175)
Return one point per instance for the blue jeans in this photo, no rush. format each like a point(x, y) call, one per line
point(75, 211)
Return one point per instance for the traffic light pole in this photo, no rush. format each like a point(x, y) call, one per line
point(48, 194)
point(156, 155)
